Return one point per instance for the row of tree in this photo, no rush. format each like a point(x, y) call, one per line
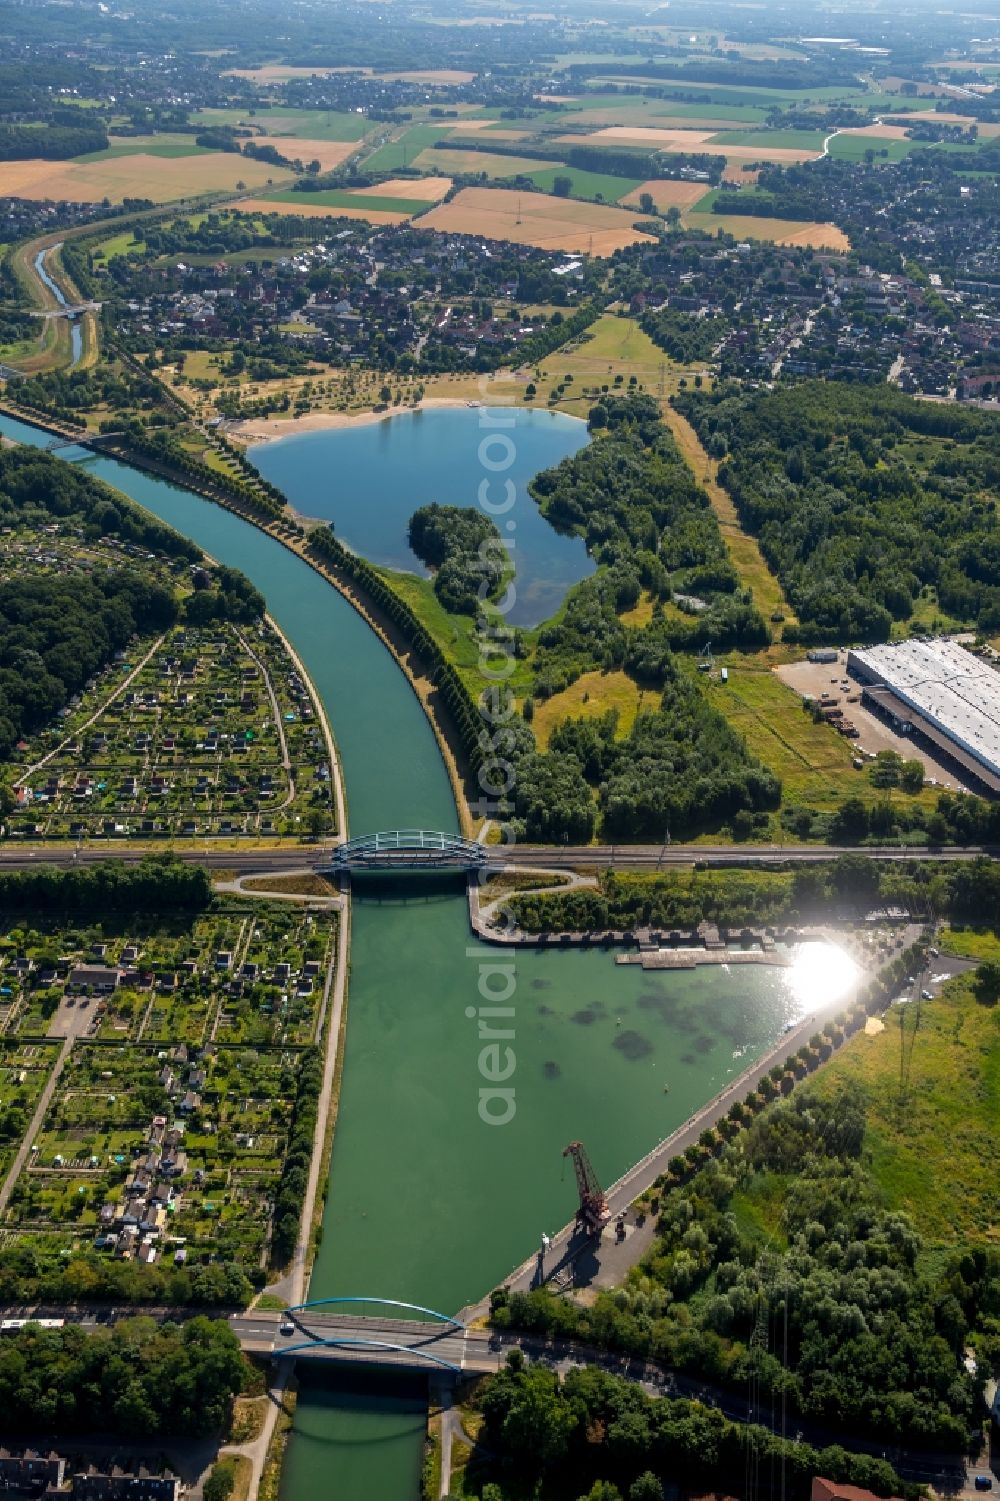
point(160, 883)
point(295, 1174)
point(459, 701)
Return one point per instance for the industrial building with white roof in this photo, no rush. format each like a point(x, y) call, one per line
point(943, 692)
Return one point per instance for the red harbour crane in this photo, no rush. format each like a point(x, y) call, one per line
point(593, 1213)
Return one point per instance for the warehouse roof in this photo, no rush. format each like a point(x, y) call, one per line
point(946, 684)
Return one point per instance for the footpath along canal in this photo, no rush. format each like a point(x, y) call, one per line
point(428, 1201)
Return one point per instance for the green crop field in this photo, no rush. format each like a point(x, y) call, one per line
point(794, 140)
point(932, 1081)
point(344, 198)
point(595, 185)
point(310, 124)
point(161, 145)
point(396, 154)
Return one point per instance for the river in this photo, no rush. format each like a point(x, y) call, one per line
point(427, 1202)
point(75, 326)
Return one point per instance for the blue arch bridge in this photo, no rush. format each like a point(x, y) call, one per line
point(406, 849)
point(426, 1341)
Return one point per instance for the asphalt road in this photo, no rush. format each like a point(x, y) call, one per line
point(478, 1351)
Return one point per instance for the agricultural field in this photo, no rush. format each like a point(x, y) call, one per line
point(202, 732)
point(404, 150)
point(380, 208)
point(778, 231)
point(931, 1081)
point(536, 219)
point(666, 193)
point(468, 163)
point(597, 186)
point(300, 205)
point(141, 175)
point(311, 124)
point(795, 140)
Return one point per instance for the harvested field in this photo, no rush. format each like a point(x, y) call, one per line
point(740, 173)
point(778, 231)
point(422, 189)
point(699, 141)
point(678, 138)
point(431, 75)
point(442, 159)
point(329, 154)
point(877, 132)
point(666, 194)
point(309, 210)
point(159, 178)
point(536, 219)
point(559, 98)
point(496, 133)
point(931, 117)
point(280, 73)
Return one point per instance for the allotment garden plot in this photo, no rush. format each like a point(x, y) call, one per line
point(160, 1153)
point(243, 972)
point(203, 731)
point(166, 1136)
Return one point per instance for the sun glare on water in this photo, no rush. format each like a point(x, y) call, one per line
point(820, 975)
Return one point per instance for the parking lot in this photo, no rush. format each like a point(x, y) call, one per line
point(874, 735)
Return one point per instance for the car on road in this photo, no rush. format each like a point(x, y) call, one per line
point(984, 1482)
point(286, 1327)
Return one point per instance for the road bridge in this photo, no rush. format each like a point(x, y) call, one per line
point(70, 310)
point(83, 439)
point(406, 849)
point(436, 1342)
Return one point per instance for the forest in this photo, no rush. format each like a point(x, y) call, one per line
point(861, 498)
point(865, 1335)
point(465, 550)
point(543, 1430)
point(54, 143)
point(138, 1380)
point(58, 629)
point(650, 527)
point(56, 633)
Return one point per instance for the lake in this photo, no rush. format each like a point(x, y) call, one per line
point(368, 480)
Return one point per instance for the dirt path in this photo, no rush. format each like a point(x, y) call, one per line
point(743, 549)
point(286, 761)
point(44, 1100)
point(29, 771)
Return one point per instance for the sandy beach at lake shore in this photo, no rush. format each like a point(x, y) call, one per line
point(267, 429)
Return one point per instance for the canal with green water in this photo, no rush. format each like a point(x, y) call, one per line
point(426, 1201)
